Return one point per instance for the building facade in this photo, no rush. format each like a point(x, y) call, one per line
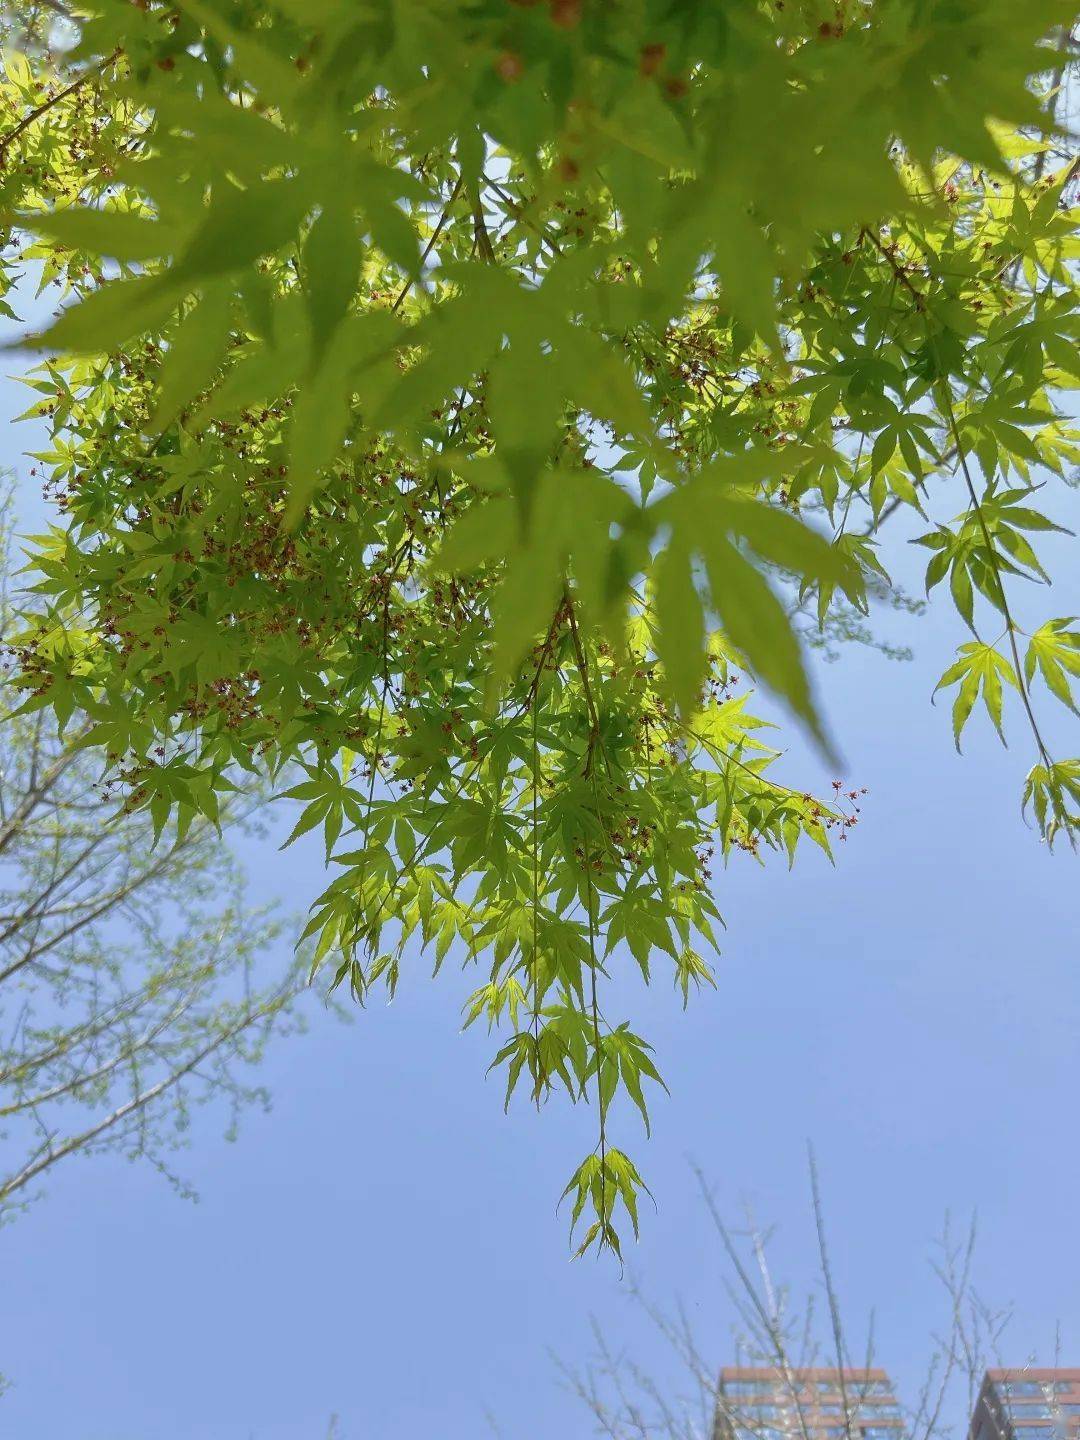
point(767, 1403)
point(1027, 1405)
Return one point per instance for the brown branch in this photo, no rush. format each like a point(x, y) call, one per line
point(46, 105)
point(519, 214)
point(33, 1168)
point(898, 270)
point(430, 245)
point(481, 238)
point(37, 792)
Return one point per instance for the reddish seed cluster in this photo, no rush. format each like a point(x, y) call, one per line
point(845, 820)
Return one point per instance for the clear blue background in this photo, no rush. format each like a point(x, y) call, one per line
point(384, 1244)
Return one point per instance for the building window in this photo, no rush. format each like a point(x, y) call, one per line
point(1033, 1389)
point(878, 1432)
point(757, 1417)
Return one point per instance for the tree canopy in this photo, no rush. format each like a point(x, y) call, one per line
point(457, 399)
point(133, 984)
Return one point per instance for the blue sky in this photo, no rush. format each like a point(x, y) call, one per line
point(384, 1245)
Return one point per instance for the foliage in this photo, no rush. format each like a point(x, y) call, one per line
point(458, 398)
point(132, 980)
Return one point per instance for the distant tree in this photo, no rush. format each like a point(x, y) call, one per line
point(458, 398)
point(677, 1396)
point(136, 983)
